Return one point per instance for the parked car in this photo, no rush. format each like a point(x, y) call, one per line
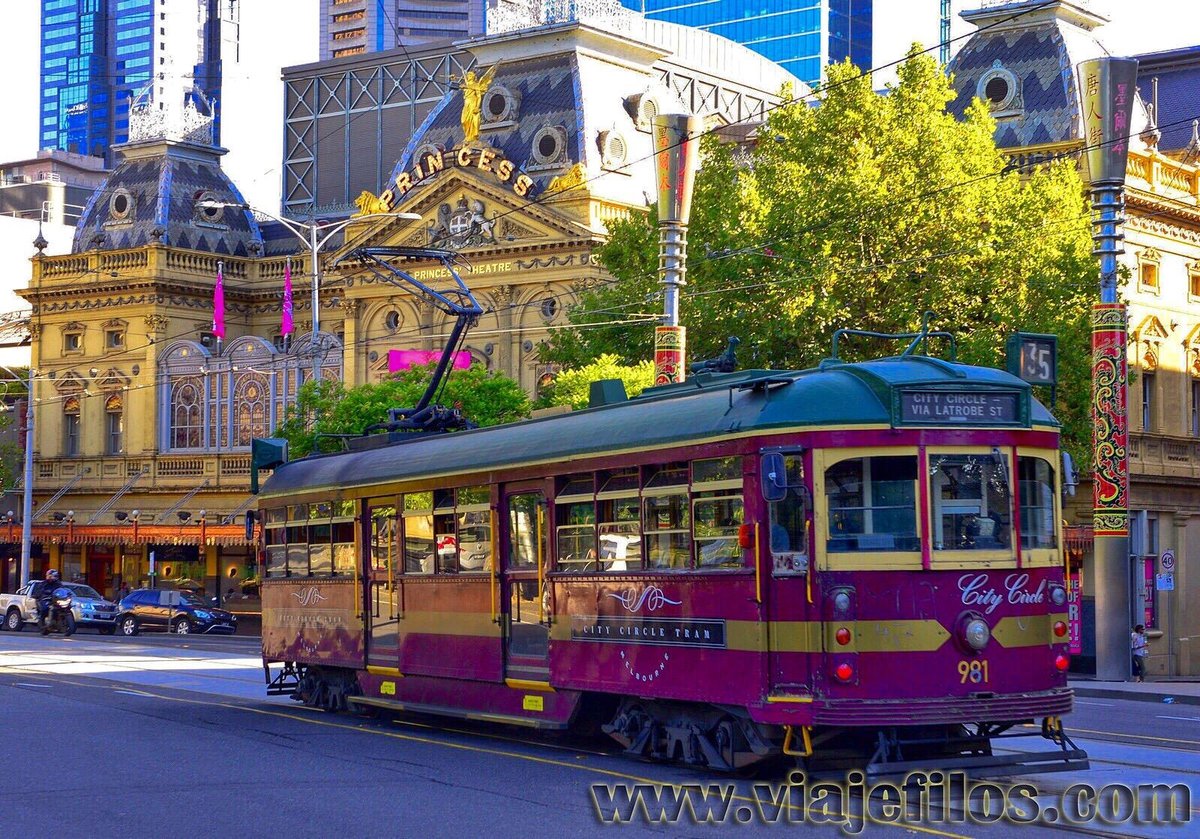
point(92, 609)
point(182, 612)
point(89, 607)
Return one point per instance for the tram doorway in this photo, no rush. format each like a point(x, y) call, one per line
point(523, 587)
point(382, 591)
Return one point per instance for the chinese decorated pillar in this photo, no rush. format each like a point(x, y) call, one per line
point(676, 150)
point(1108, 87)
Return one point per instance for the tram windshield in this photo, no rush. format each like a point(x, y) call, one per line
point(972, 502)
point(872, 504)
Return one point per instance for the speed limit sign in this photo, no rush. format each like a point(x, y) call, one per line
point(1167, 560)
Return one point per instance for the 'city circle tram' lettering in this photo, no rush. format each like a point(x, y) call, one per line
point(481, 158)
point(672, 632)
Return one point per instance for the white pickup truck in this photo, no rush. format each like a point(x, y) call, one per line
point(89, 607)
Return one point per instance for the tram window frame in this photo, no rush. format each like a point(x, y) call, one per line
point(382, 509)
point(1044, 551)
point(788, 518)
point(575, 525)
point(414, 509)
point(618, 538)
point(878, 553)
point(717, 480)
point(275, 542)
point(982, 521)
point(667, 518)
point(473, 512)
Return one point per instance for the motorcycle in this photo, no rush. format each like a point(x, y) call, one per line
point(57, 615)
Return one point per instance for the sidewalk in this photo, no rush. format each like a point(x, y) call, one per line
point(1165, 690)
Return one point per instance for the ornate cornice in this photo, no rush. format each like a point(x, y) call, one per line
point(1165, 229)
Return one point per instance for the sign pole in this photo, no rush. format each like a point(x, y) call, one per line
point(1109, 89)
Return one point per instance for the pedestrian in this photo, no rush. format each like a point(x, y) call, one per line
point(1138, 644)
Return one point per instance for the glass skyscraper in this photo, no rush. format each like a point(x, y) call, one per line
point(97, 55)
point(801, 35)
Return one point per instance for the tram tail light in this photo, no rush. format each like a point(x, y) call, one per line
point(1060, 629)
point(844, 672)
point(746, 536)
point(1061, 662)
point(842, 636)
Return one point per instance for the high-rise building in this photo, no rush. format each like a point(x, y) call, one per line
point(98, 55)
point(352, 27)
point(801, 35)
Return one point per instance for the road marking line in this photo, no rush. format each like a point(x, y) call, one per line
point(1189, 719)
point(31, 685)
point(1086, 702)
point(395, 735)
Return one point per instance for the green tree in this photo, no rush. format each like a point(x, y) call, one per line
point(573, 387)
point(327, 407)
point(863, 211)
point(12, 455)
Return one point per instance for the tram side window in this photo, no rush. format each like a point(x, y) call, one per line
point(275, 539)
point(619, 534)
point(320, 549)
point(385, 537)
point(788, 516)
point(972, 502)
point(1036, 478)
point(717, 519)
point(474, 529)
point(872, 504)
point(343, 547)
point(668, 532)
point(418, 543)
point(575, 536)
point(297, 550)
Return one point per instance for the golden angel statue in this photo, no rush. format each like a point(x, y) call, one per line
point(473, 88)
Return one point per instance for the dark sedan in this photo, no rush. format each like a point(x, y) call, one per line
point(181, 612)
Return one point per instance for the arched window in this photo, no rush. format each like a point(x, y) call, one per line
point(187, 419)
point(71, 426)
point(250, 409)
point(114, 415)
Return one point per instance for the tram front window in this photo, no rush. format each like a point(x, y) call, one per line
point(1037, 503)
point(972, 502)
point(872, 504)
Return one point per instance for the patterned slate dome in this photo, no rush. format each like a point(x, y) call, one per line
point(158, 193)
point(1022, 62)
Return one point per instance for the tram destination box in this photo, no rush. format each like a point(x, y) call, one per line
point(925, 407)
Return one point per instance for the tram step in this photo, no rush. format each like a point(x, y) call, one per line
point(461, 713)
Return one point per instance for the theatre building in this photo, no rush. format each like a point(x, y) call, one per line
point(143, 418)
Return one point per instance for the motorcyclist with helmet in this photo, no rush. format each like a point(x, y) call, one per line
point(44, 593)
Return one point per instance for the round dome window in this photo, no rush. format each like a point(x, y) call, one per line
point(549, 145)
point(120, 206)
point(996, 90)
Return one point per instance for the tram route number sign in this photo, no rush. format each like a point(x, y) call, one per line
point(1033, 358)
point(940, 407)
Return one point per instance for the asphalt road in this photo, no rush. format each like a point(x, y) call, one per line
point(157, 734)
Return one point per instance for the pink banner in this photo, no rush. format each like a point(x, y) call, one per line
point(1075, 613)
point(404, 359)
point(286, 324)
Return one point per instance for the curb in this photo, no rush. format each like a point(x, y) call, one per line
point(1137, 696)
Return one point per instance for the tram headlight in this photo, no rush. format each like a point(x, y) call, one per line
point(841, 601)
point(1058, 595)
point(976, 633)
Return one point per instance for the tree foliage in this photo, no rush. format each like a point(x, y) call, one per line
point(328, 407)
point(863, 211)
point(573, 387)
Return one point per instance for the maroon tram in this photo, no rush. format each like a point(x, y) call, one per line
point(859, 564)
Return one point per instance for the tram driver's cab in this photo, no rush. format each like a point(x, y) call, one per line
point(790, 506)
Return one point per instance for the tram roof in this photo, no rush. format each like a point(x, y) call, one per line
point(706, 407)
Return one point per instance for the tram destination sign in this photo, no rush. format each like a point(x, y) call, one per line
point(961, 407)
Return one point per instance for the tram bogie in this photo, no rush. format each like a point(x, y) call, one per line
point(857, 565)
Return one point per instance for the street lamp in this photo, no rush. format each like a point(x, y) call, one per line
point(27, 497)
point(314, 235)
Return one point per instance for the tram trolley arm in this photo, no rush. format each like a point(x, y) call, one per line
point(458, 301)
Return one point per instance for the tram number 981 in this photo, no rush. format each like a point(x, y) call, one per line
point(974, 671)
